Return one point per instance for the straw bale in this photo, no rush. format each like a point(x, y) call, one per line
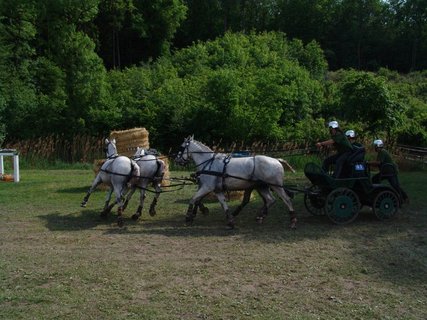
point(166, 177)
point(128, 140)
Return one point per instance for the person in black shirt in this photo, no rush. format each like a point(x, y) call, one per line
point(341, 144)
point(388, 169)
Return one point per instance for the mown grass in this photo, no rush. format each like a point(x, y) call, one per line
point(62, 261)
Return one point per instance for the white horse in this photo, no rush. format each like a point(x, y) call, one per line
point(152, 170)
point(117, 171)
point(219, 172)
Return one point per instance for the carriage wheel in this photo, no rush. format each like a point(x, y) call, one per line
point(314, 201)
point(385, 205)
point(342, 206)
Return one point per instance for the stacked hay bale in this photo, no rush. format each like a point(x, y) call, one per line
point(127, 141)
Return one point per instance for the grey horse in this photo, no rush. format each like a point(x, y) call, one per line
point(117, 171)
point(152, 170)
point(219, 172)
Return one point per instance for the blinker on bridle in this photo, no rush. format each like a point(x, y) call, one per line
point(181, 151)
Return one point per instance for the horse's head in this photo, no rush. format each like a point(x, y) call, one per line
point(140, 152)
point(183, 156)
point(110, 148)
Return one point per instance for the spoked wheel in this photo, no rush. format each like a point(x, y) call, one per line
point(342, 206)
point(314, 201)
point(386, 205)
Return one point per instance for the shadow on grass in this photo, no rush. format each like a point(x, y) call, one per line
point(83, 220)
point(81, 190)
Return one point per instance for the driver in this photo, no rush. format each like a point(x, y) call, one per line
point(341, 144)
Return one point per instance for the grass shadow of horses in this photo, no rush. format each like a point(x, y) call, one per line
point(80, 190)
point(81, 220)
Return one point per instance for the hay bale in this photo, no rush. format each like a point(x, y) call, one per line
point(128, 140)
point(165, 182)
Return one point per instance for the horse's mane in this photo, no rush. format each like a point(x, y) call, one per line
point(202, 146)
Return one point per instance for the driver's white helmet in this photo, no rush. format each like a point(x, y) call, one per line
point(378, 143)
point(333, 124)
point(350, 134)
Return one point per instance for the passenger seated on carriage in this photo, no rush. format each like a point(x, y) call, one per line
point(387, 169)
point(342, 145)
point(359, 151)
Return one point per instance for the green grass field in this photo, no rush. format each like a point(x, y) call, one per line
point(60, 261)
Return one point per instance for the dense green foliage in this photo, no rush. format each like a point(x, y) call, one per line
point(72, 67)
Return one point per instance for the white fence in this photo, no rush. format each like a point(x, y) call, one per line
point(11, 153)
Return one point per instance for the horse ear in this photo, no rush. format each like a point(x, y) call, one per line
point(192, 137)
point(113, 141)
point(107, 141)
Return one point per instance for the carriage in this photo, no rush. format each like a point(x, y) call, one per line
point(342, 199)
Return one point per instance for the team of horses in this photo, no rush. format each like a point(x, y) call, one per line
point(216, 173)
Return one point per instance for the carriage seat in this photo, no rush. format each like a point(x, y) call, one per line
point(358, 155)
point(355, 165)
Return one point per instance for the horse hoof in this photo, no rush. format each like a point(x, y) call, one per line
point(152, 212)
point(188, 221)
point(230, 226)
point(103, 215)
point(83, 205)
point(135, 217)
point(120, 222)
point(293, 224)
point(260, 220)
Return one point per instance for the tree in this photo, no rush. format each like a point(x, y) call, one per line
point(411, 20)
point(130, 32)
point(17, 37)
point(367, 99)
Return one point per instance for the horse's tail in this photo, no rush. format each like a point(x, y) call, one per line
point(285, 164)
point(161, 167)
point(135, 173)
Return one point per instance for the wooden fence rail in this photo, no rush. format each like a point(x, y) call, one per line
point(85, 148)
point(81, 148)
point(412, 153)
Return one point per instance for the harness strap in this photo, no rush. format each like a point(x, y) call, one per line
point(226, 161)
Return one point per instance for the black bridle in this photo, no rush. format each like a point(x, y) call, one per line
point(181, 151)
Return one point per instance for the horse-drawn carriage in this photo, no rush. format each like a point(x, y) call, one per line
point(342, 199)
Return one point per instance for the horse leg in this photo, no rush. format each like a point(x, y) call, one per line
point(268, 200)
point(228, 215)
point(245, 201)
point(129, 196)
point(119, 201)
point(287, 200)
point(194, 203)
point(203, 208)
point(138, 212)
point(152, 210)
point(107, 206)
point(95, 183)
